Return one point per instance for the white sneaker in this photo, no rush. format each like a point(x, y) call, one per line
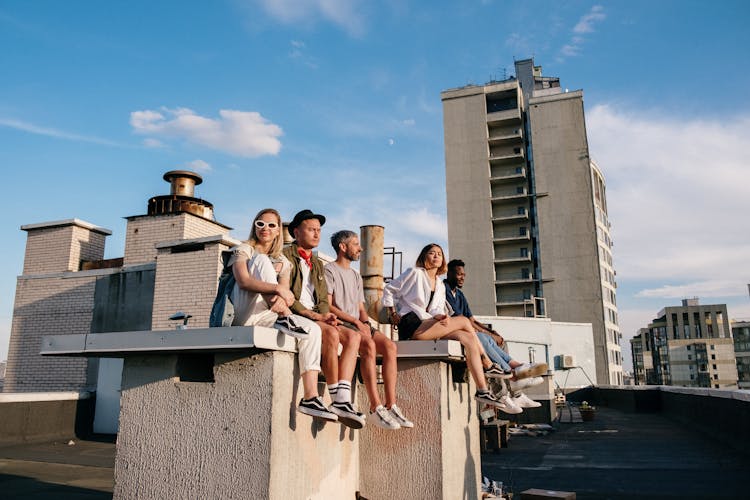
point(518, 385)
point(508, 406)
point(527, 370)
point(399, 417)
point(523, 401)
point(383, 419)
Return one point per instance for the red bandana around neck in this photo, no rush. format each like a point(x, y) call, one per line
point(307, 256)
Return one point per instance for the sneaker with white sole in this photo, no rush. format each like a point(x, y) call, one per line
point(399, 417)
point(528, 370)
point(523, 401)
point(348, 415)
point(518, 385)
point(495, 371)
point(287, 325)
point(509, 406)
point(504, 403)
point(382, 418)
point(315, 408)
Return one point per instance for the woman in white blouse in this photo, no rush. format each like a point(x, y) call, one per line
point(416, 305)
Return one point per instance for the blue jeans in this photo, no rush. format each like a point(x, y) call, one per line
point(494, 352)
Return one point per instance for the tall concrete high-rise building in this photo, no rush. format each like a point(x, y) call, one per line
point(527, 207)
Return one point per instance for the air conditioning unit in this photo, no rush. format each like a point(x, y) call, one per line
point(567, 361)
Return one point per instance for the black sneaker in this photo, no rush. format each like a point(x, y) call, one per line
point(348, 415)
point(315, 408)
point(495, 371)
point(488, 398)
point(288, 326)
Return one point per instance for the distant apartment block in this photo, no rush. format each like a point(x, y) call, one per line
point(689, 345)
point(171, 263)
point(741, 336)
point(527, 207)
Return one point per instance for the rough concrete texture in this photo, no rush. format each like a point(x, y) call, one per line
point(439, 457)
point(214, 439)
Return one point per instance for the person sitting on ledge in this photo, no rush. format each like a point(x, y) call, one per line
point(308, 285)
point(492, 341)
point(347, 300)
point(261, 296)
point(415, 302)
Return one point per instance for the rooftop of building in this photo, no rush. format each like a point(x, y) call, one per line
point(618, 455)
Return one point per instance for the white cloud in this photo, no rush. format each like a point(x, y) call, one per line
point(343, 13)
point(584, 25)
point(677, 194)
point(407, 229)
point(706, 288)
point(240, 133)
point(53, 132)
point(199, 166)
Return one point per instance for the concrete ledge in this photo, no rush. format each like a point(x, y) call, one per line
point(30, 397)
point(430, 349)
point(39, 417)
point(120, 344)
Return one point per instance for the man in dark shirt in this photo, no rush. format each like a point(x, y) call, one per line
point(490, 339)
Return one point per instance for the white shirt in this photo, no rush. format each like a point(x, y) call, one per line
point(307, 294)
point(411, 291)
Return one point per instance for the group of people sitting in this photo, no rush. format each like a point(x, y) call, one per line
point(323, 307)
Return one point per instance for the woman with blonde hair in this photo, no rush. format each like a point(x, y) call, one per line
point(261, 297)
point(415, 302)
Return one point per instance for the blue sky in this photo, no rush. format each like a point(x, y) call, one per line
point(335, 105)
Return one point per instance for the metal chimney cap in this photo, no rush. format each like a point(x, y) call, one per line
point(176, 174)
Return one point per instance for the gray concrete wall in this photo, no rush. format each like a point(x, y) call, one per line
point(237, 434)
point(566, 218)
point(467, 176)
point(214, 439)
point(439, 457)
point(28, 419)
point(122, 301)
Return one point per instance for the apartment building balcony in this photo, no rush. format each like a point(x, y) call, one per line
point(512, 259)
point(513, 300)
point(512, 115)
point(512, 216)
point(510, 195)
point(508, 236)
point(503, 138)
point(508, 157)
point(507, 174)
point(514, 278)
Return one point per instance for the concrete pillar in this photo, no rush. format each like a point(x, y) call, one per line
point(440, 457)
point(371, 267)
point(238, 436)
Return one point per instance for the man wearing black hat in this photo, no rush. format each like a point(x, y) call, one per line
point(308, 285)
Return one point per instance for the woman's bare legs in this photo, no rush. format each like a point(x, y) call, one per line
point(457, 328)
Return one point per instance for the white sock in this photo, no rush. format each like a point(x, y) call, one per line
point(332, 389)
point(344, 392)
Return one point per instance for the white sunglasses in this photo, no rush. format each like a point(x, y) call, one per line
point(260, 224)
